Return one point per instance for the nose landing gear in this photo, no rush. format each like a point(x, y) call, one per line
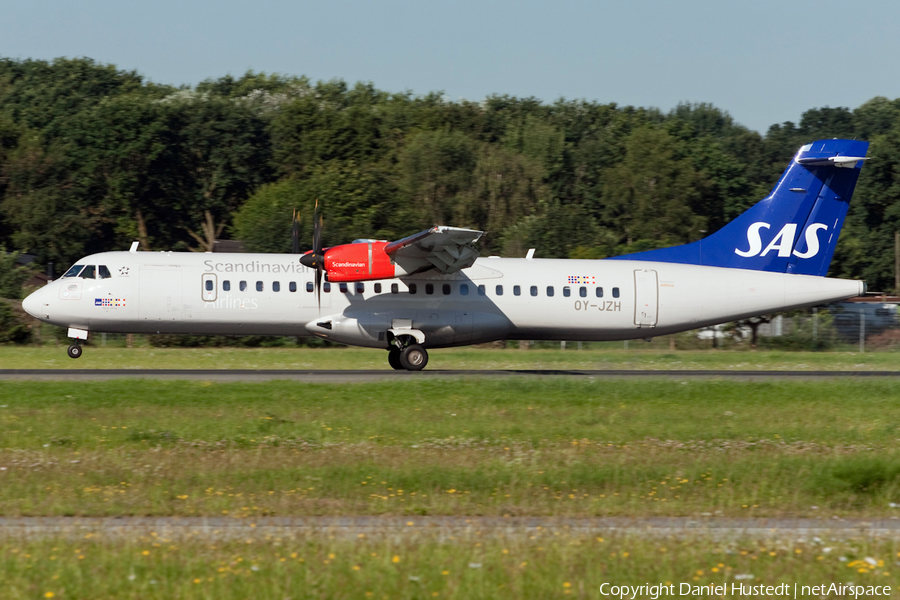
point(75, 350)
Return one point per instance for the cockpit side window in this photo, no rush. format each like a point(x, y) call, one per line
point(103, 272)
point(74, 271)
point(89, 272)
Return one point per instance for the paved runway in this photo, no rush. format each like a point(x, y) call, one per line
point(261, 528)
point(363, 376)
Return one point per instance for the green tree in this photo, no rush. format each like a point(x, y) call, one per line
point(12, 275)
point(436, 168)
point(868, 250)
point(650, 195)
point(504, 188)
point(355, 202)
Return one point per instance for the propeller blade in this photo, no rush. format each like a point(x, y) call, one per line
point(319, 288)
point(317, 253)
point(317, 230)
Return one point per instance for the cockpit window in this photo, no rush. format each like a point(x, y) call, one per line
point(89, 272)
point(73, 272)
point(104, 272)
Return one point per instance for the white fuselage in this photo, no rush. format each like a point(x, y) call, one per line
point(497, 298)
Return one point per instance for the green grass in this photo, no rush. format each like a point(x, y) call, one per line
point(553, 446)
point(548, 566)
point(542, 446)
point(599, 356)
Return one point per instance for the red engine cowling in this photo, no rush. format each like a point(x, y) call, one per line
point(358, 262)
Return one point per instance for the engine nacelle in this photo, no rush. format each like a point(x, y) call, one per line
point(359, 262)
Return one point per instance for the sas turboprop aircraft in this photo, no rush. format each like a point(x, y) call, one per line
point(430, 290)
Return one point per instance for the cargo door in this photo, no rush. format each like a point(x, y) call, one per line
point(160, 293)
point(646, 298)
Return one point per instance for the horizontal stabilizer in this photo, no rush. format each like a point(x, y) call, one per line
point(846, 162)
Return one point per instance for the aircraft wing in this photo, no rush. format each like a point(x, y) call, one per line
point(447, 249)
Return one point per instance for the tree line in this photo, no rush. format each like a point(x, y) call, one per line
point(93, 157)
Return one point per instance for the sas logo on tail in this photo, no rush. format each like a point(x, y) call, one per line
point(782, 242)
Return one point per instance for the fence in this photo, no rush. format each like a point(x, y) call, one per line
point(867, 325)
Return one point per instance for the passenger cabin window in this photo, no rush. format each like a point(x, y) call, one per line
point(259, 286)
point(429, 288)
point(499, 290)
point(104, 272)
point(243, 286)
point(481, 290)
point(517, 290)
point(446, 289)
point(326, 287)
point(209, 285)
point(89, 272)
point(377, 288)
point(550, 291)
point(395, 289)
point(582, 291)
point(360, 287)
point(343, 287)
point(464, 289)
point(599, 292)
point(226, 286)
point(567, 292)
point(276, 286)
point(412, 288)
point(74, 271)
point(615, 292)
point(534, 290)
point(310, 287)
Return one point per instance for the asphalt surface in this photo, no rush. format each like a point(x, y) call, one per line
point(223, 528)
point(363, 376)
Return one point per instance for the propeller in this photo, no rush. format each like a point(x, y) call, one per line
point(316, 258)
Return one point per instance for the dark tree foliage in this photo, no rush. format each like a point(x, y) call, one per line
point(93, 157)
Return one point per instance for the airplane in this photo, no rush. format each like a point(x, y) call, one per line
point(433, 290)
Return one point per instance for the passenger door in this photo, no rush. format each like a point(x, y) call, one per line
point(209, 287)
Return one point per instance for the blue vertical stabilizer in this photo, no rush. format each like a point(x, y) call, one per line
point(793, 230)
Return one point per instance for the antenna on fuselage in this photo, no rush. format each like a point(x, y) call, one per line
point(134, 246)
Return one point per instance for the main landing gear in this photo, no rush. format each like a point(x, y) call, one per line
point(75, 351)
point(412, 357)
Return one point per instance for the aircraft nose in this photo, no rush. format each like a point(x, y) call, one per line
point(33, 304)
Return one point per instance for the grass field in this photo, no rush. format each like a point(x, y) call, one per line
point(545, 567)
point(608, 356)
point(535, 447)
point(547, 446)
